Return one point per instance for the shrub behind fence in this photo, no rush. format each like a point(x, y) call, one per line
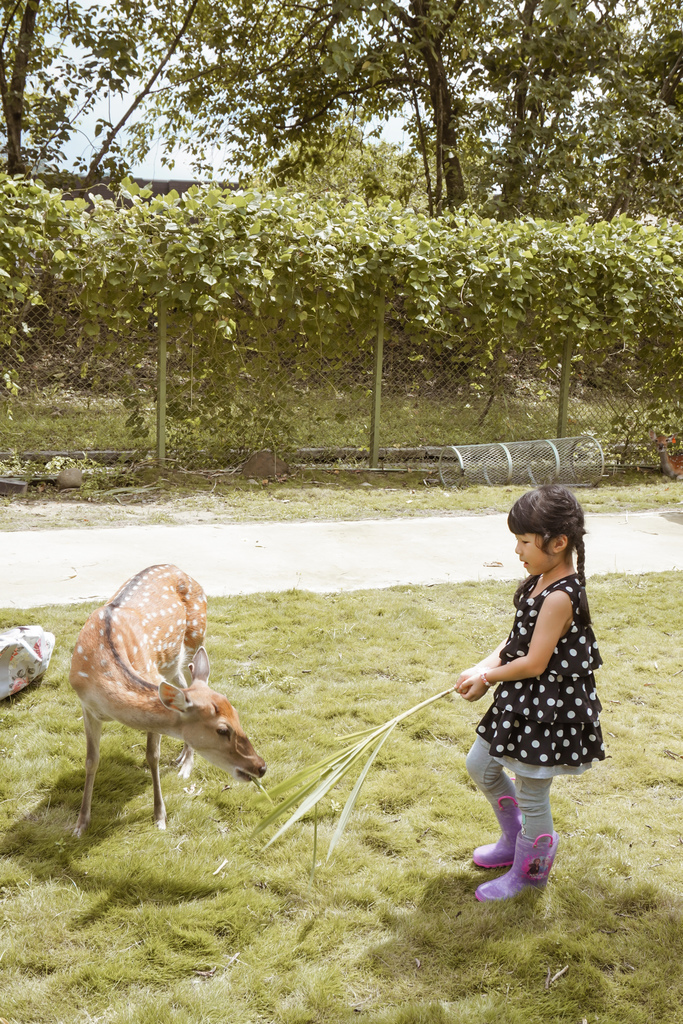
point(270, 313)
point(224, 401)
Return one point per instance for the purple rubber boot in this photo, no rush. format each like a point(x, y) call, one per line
point(502, 853)
point(530, 868)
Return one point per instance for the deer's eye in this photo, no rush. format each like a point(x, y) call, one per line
point(224, 730)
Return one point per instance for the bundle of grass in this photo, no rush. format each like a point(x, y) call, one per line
point(311, 784)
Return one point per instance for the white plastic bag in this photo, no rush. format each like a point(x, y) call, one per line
point(25, 653)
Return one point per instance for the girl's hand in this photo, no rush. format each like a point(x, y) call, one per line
point(470, 685)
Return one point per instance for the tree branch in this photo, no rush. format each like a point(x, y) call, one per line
point(622, 200)
point(104, 149)
point(10, 19)
point(423, 140)
point(672, 80)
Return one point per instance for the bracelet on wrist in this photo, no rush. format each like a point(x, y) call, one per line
point(486, 681)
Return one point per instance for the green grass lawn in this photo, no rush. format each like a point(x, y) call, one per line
point(201, 924)
point(69, 422)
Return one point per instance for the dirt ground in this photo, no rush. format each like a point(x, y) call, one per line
point(174, 500)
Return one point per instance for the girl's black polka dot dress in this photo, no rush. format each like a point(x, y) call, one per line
point(552, 719)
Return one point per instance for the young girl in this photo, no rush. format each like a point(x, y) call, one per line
point(544, 717)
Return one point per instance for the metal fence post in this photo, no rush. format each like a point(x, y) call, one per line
point(377, 383)
point(161, 380)
point(565, 379)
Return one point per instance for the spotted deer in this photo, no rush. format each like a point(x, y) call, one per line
point(128, 666)
point(672, 465)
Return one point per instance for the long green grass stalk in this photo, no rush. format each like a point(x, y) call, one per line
point(315, 782)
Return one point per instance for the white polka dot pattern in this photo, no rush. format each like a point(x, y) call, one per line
point(552, 719)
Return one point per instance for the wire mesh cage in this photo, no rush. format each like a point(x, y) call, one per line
point(578, 461)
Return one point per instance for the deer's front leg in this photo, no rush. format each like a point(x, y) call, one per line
point(185, 760)
point(153, 748)
point(93, 731)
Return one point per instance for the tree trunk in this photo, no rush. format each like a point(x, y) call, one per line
point(448, 167)
point(13, 95)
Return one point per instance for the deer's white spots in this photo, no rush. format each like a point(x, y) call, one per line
point(80, 648)
point(83, 675)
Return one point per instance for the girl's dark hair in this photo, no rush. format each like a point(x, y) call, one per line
point(549, 511)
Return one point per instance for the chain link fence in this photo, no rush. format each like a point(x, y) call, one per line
point(99, 393)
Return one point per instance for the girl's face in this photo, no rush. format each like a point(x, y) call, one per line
point(532, 556)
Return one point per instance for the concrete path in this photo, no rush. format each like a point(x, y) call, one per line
point(68, 566)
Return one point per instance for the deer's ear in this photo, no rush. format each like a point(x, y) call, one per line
point(199, 667)
point(652, 435)
point(174, 697)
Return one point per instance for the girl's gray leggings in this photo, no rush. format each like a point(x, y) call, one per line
point(532, 795)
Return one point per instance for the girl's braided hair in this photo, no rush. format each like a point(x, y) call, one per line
point(549, 511)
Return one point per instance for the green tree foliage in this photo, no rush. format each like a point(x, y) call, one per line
point(514, 107)
point(347, 165)
point(59, 60)
point(541, 107)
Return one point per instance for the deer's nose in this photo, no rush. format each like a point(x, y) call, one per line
point(262, 771)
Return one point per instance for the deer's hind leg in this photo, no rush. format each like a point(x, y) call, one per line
point(93, 732)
